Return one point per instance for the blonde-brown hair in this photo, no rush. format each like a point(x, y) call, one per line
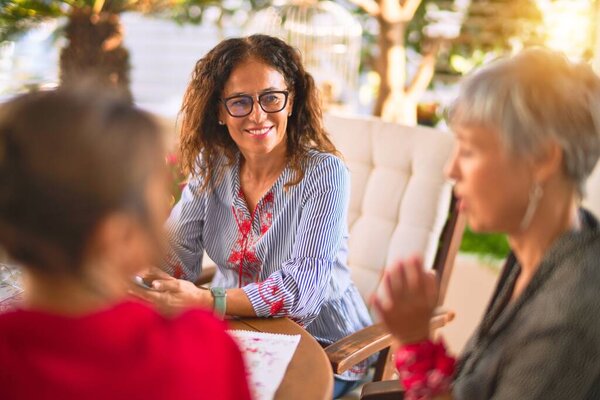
point(201, 135)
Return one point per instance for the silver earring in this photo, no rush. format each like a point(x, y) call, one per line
point(535, 194)
point(221, 122)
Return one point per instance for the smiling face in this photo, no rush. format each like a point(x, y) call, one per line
point(258, 133)
point(492, 185)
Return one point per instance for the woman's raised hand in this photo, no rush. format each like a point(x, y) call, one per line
point(407, 300)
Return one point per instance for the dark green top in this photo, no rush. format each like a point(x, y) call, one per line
point(546, 344)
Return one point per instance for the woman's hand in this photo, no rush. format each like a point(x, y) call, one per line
point(153, 273)
point(172, 295)
point(408, 300)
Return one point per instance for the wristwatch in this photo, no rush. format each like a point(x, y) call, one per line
point(220, 297)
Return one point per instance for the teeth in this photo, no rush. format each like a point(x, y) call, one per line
point(258, 131)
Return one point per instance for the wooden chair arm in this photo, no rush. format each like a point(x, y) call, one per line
point(362, 344)
point(207, 274)
point(357, 347)
point(441, 317)
point(383, 390)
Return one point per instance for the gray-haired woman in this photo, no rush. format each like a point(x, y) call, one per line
point(528, 130)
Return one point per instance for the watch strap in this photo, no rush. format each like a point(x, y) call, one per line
point(220, 301)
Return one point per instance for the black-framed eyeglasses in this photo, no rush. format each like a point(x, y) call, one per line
point(242, 105)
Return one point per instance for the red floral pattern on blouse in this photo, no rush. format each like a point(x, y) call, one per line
point(243, 253)
point(269, 292)
point(178, 272)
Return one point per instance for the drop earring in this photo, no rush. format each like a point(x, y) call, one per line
point(535, 194)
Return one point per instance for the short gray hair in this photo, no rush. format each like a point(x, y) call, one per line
point(531, 99)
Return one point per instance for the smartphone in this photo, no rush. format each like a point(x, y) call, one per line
point(141, 283)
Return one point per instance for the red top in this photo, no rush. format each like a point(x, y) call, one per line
point(125, 352)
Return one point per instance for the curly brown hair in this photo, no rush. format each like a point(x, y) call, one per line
point(201, 135)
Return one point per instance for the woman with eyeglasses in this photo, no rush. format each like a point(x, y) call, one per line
point(267, 198)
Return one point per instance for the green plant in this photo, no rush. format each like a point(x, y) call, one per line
point(487, 245)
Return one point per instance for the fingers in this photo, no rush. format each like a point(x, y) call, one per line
point(166, 285)
point(154, 273)
point(410, 296)
point(379, 308)
point(431, 288)
point(406, 278)
point(407, 282)
point(395, 280)
point(385, 310)
point(150, 296)
point(414, 273)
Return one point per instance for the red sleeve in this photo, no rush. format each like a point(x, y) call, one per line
point(217, 357)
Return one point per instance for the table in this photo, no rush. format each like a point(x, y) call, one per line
point(309, 375)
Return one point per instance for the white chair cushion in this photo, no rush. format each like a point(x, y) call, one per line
point(399, 196)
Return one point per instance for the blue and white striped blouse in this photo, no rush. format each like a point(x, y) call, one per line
point(289, 256)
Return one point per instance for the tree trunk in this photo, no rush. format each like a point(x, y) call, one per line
point(391, 60)
point(396, 101)
point(95, 49)
point(393, 102)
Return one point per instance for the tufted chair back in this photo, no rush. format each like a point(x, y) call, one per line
point(399, 196)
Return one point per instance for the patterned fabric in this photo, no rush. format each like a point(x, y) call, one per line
point(546, 343)
point(425, 369)
point(289, 255)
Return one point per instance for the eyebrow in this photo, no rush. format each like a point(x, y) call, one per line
point(269, 89)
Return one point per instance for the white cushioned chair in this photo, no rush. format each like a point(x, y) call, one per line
point(400, 205)
point(399, 195)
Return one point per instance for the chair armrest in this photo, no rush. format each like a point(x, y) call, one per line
point(207, 274)
point(383, 390)
point(357, 347)
point(362, 344)
point(441, 317)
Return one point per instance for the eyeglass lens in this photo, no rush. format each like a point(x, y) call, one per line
point(270, 102)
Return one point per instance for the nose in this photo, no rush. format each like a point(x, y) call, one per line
point(257, 115)
point(451, 169)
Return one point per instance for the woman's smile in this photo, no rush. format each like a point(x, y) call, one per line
point(259, 132)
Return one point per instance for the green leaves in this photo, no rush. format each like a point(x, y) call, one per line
point(485, 244)
point(17, 16)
